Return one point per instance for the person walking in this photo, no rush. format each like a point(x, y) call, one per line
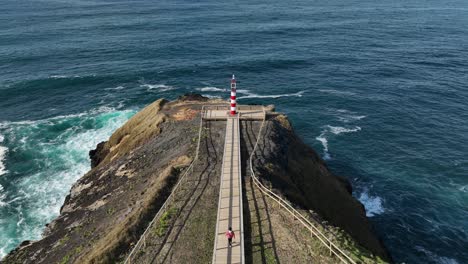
point(230, 235)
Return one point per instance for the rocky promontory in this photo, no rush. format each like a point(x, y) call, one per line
point(133, 173)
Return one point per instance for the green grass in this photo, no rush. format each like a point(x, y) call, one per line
point(65, 259)
point(110, 211)
point(270, 257)
point(63, 240)
point(88, 233)
point(78, 250)
point(164, 222)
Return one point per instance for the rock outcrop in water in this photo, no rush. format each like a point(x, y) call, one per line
point(134, 171)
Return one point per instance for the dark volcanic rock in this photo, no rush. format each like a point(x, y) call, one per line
point(97, 155)
point(193, 97)
point(296, 170)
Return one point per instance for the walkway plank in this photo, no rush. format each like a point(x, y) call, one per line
point(230, 200)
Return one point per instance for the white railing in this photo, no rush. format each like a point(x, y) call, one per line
point(142, 241)
point(290, 209)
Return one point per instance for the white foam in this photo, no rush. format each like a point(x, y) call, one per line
point(253, 95)
point(21, 219)
point(373, 204)
point(350, 118)
point(2, 199)
point(40, 195)
point(5, 124)
point(215, 89)
point(324, 141)
point(100, 110)
point(342, 111)
point(336, 92)
point(347, 116)
point(120, 105)
point(211, 96)
point(114, 88)
point(336, 131)
point(4, 248)
point(464, 188)
point(243, 91)
point(3, 151)
point(435, 257)
point(159, 87)
point(340, 130)
point(211, 89)
point(59, 76)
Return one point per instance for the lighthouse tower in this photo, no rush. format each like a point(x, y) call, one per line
point(233, 95)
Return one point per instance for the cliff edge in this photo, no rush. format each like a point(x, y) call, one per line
point(290, 167)
point(133, 172)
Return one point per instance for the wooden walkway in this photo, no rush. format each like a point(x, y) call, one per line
point(230, 199)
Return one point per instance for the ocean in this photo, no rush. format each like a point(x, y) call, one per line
point(378, 88)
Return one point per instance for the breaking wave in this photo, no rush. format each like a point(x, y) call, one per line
point(2, 198)
point(253, 95)
point(373, 204)
point(243, 91)
point(464, 188)
point(324, 141)
point(347, 116)
point(158, 87)
point(49, 156)
point(211, 89)
point(246, 93)
point(340, 130)
point(350, 118)
point(3, 151)
point(114, 88)
point(211, 96)
point(335, 130)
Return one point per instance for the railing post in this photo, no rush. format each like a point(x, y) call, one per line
point(330, 248)
point(144, 241)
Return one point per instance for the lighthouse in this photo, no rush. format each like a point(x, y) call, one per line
point(233, 95)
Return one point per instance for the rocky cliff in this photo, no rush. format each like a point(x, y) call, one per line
point(134, 171)
point(295, 170)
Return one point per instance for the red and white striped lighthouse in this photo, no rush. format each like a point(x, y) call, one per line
point(233, 95)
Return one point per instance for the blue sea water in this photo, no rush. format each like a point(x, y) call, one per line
point(378, 88)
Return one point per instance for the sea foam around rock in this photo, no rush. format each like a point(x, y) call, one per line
point(49, 156)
